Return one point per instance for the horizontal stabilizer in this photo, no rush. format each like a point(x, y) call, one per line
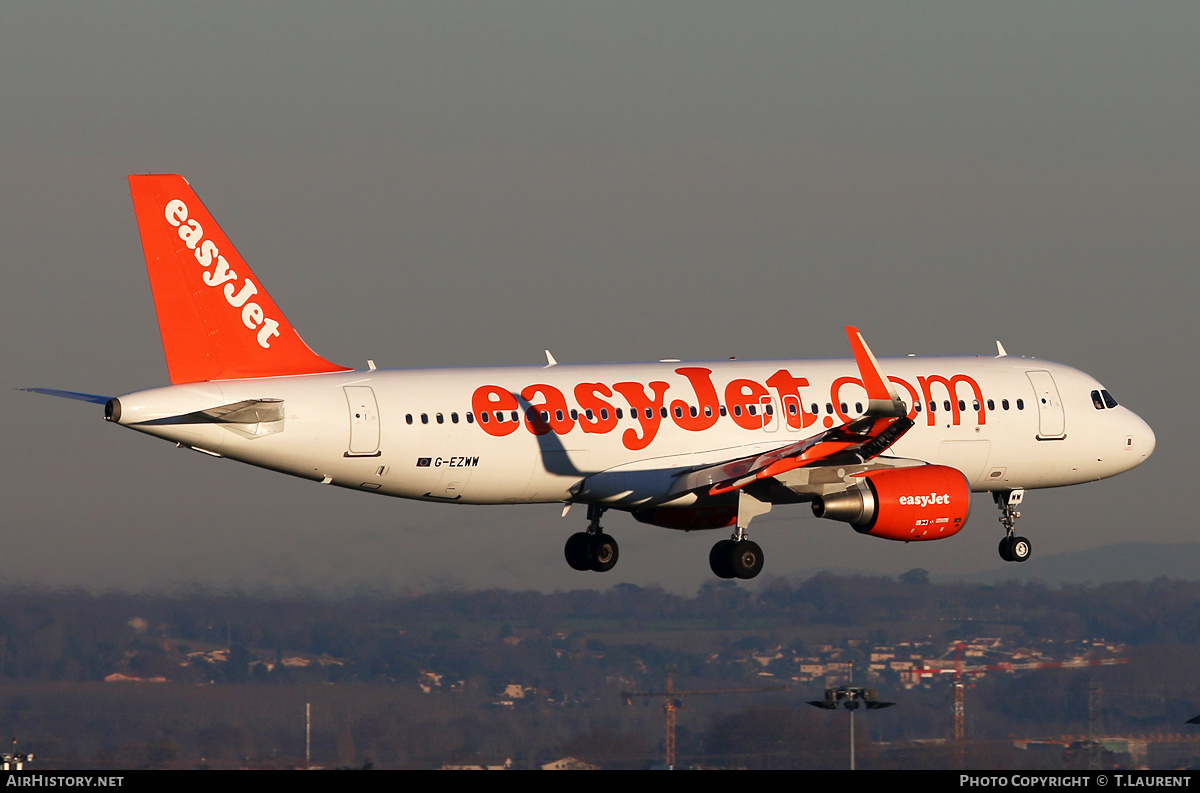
point(99, 399)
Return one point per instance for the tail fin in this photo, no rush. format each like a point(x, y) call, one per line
point(217, 321)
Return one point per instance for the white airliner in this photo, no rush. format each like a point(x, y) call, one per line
point(894, 447)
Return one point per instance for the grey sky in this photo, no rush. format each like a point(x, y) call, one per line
point(469, 183)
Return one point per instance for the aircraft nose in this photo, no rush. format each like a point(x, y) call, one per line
point(1148, 444)
point(1142, 438)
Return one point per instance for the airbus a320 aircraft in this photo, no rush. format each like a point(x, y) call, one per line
point(894, 447)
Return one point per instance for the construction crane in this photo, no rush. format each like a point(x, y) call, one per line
point(1004, 666)
point(671, 704)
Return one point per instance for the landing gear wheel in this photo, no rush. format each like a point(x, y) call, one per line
point(720, 559)
point(1006, 549)
point(603, 553)
point(746, 559)
point(577, 551)
point(1020, 549)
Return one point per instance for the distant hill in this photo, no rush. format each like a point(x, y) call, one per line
point(1128, 561)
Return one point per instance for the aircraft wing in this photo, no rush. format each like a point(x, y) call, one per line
point(855, 442)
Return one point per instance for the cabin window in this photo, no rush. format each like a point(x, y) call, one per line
point(470, 418)
point(791, 408)
point(737, 410)
point(962, 405)
point(424, 418)
point(441, 419)
point(694, 411)
point(1004, 403)
point(515, 416)
point(932, 406)
point(843, 406)
point(408, 419)
point(574, 414)
point(1020, 404)
point(620, 413)
point(752, 409)
point(453, 418)
point(829, 408)
point(918, 406)
point(991, 404)
point(678, 412)
point(858, 407)
point(484, 417)
point(724, 412)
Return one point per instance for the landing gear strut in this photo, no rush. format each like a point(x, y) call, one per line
point(1012, 547)
point(739, 557)
point(592, 549)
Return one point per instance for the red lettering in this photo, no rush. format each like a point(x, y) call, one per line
point(789, 395)
point(951, 387)
point(557, 415)
point(491, 399)
point(604, 416)
point(706, 405)
point(739, 396)
point(647, 409)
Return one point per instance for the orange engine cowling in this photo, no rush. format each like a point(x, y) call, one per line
point(928, 502)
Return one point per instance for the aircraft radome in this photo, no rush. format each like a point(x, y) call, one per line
point(895, 448)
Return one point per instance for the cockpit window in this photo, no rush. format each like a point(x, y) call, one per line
point(1097, 400)
point(1108, 399)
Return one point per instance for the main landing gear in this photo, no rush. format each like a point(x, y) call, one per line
point(736, 558)
point(1012, 548)
point(592, 549)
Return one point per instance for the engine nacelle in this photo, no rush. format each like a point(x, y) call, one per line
point(928, 502)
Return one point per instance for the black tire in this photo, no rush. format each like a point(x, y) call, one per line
point(1006, 549)
point(603, 553)
point(746, 559)
point(1021, 549)
point(577, 551)
point(720, 559)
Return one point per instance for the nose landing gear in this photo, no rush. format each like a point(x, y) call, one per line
point(1012, 548)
